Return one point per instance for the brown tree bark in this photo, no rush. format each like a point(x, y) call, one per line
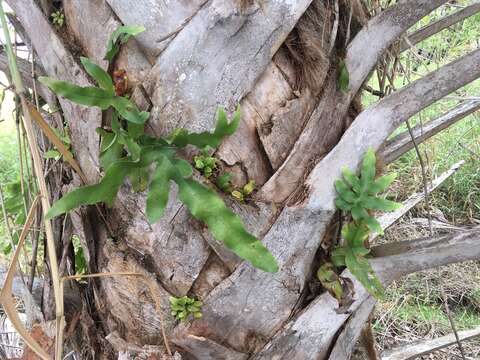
point(280, 60)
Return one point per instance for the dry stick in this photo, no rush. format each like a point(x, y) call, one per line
point(35, 240)
point(425, 347)
point(22, 177)
point(6, 298)
point(38, 220)
point(37, 163)
point(439, 25)
point(20, 156)
point(401, 143)
point(429, 216)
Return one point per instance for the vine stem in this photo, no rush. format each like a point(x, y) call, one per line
point(45, 199)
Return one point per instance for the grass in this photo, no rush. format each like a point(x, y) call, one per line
point(413, 307)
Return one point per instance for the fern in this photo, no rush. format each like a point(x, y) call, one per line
point(129, 153)
point(359, 195)
point(352, 255)
point(182, 307)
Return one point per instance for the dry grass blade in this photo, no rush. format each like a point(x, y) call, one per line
point(150, 287)
point(47, 130)
point(6, 297)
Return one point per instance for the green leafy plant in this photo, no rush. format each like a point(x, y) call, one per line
point(205, 163)
point(121, 36)
point(58, 18)
point(359, 195)
point(153, 163)
point(242, 193)
point(352, 255)
point(183, 307)
point(80, 261)
point(330, 280)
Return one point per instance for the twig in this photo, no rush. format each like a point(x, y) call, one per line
point(35, 238)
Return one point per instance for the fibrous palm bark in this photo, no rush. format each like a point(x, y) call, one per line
point(279, 59)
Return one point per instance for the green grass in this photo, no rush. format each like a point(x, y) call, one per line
point(419, 316)
point(459, 197)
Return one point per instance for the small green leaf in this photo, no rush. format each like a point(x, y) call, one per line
point(129, 110)
point(182, 137)
point(345, 193)
point(248, 188)
point(355, 234)
point(199, 164)
point(338, 256)
point(343, 205)
point(51, 154)
point(330, 280)
point(197, 315)
point(183, 167)
point(373, 224)
point(343, 77)
point(352, 179)
point(223, 182)
point(102, 78)
point(368, 166)
point(139, 179)
point(359, 213)
point(237, 195)
point(110, 149)
point(376, 203)
point(363, 272)
point(159, 189)
point(383, 182)
point(121, 35)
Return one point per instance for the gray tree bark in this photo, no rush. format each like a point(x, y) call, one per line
point(279, 59)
